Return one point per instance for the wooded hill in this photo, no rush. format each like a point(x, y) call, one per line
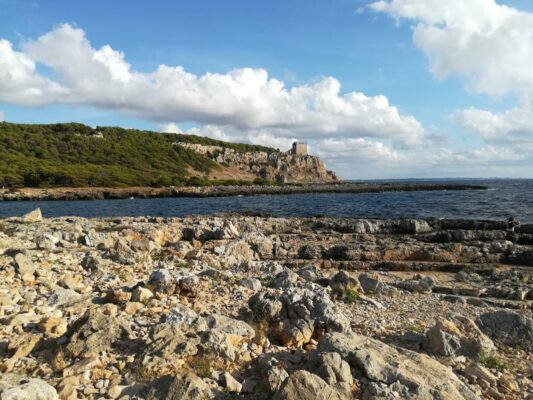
point(77, 155)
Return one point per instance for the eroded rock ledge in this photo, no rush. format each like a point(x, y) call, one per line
point(236, 307)
point(100, 193)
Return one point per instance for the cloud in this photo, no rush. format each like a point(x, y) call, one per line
point(2, 117)
point(170, 128)
point(489, 46)
point(19, 82)
point(244, 99)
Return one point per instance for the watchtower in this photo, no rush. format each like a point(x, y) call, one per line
point(299, 149)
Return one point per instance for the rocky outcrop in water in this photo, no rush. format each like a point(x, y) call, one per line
point(246, 307)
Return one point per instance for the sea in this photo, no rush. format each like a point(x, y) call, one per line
point(503, 198)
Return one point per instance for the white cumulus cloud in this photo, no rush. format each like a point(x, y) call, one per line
point(487, 44)
point(244, 99)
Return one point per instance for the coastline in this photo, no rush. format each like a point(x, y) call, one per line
point(101, 193)
point(117, 307)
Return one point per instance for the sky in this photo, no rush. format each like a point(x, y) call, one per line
point(378, 88)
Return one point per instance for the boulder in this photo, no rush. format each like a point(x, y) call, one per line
point(330, 367)
point(250, 283)
point(303, 385)
point(297, 315)
point(16, 388)
point(372, 284)
point(181, 387)
point(459, 336)
point(509, 327)
point(94, 332)
point(341, 282)
point(413, 375)
point(33, 216)
point(161, 280)
point(418, 284)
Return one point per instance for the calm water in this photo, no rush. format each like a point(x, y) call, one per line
point(504, 198)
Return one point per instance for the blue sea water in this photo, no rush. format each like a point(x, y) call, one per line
point(504, 197)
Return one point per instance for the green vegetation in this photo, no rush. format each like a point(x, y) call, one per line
point(351, 295)
point(492, 361)
point(76, 155)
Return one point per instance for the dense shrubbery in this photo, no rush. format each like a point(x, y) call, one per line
point(77, 155)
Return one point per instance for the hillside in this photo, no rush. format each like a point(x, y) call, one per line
point(75, 155)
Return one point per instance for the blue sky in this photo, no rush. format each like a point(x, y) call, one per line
point(300, 42)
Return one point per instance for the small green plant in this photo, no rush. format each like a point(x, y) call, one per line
point(492, 361)
point(232, 280)
point(266, 281)
point(351, 295)
point(158, 255)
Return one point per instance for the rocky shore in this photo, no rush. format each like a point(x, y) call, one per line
point(242, 307)
point(97, 193)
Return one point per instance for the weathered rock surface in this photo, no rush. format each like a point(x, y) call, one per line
point(260, 307)
point(410, 374)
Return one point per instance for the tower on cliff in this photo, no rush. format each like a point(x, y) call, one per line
point(299, 149)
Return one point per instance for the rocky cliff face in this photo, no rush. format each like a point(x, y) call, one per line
point(276, 167)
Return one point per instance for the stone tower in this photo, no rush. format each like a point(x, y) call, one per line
point(299, 149)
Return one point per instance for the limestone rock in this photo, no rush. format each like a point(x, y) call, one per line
point(415, 375)
point(297, 314)
point(32, 389)
point(510, 327)
point(303, 385)
point(33, 216)
point(181, 387)
point(456, 337)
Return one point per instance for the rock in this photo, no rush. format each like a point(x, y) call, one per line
point(27, 389)
point(231, 384)
point(189, 285)
point(510, 327)
point(330, 367)
point(181, 314)
point(310, 273)
point(141, 294)
point(181, 387)
point(475, 371)
point(238, 252)
point(371, 284)
point(342, 282)
point(23, 345)
point(457, 337)
point(53, 327)
point(274, 376)
point(310, 252)
point(46, 242)
point(230, 326)
point(33, 216)
point(90, 262)
point(413, 375)
point(296, 315)
point(303, 385)
point(162, 281)
point(285, 279)
point(62, 297)
point(24, 264)
point(94, 333)
point(418, 285)
point(117, 297)
point(250, 283)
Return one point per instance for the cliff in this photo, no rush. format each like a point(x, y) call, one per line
point(273, 166)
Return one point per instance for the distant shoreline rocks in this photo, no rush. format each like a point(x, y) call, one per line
point(101, 193)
